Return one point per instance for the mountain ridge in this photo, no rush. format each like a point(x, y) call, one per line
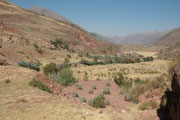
point(149, 37)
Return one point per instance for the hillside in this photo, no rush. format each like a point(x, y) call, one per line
point(25, 33)
point(171, 45)
point(171, 38)
point(49, 13)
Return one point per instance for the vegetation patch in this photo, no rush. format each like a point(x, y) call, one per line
point(149, 105)
point(66, 77)
point(94, 87)
point(83, 100)
point(90, 91)
point(39, 85)
point(124, 59)
point(33, 66)
point(106, 91)
point(75, 94)
point(59, 43)
point(51, 68)
point(97, 102)
point(7, 81)
point(108, 84)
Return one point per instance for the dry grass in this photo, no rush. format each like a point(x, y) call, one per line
point(144, 71)
point(20, 101)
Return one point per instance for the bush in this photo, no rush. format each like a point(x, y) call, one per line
point(69, 56)
point(74, 95)
point(57, 43)
point(106, 91)
point(37, 48)
point(94, 87)
point(119, 79)
point(101, 95)
point(83, 100)
point(33, 66)
point(106, 102)
point(90, 91)
point(7, 81)
point(79, 87)
point(85, 77)
point(97, 102)
point(149, 105)
point(66, 63)
point(40, 85)
point(50, 69)
point(127, 97)
point(66, 77)
point(97, 79)
point(121, 92)
point(91, 102)
point(35, 45)
point(148, 59)
point(108, 84)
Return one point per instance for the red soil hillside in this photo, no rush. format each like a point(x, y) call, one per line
point(20, 27)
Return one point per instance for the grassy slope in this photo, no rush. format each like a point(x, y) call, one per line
point(20, 101)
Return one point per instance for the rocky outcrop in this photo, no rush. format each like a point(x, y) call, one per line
point(176, 80)
point(170, 102)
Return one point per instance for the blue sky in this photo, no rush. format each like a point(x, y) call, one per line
point(114, 17)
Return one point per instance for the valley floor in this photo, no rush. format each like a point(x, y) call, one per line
point(19, 101)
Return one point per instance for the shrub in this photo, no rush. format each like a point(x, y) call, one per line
point(69, 56)
point(79, 87)
point(119, 79)
point(121, 92)
point(7, 81)
point(33, 66)
point(108, 84)
point(97, 79)
point(57, 43)
point(94, 87)
point(127, 97)
point(148, 59)
point(40, 85)
point(91, 102)
point(74, 95)
point(101, 95)
point(85, 77)
point(83, 100)
point(66, 63)
point(37, 48)
point(66, 77)
point(149, 105)
point(50, 69)
point(90, 91)
point(97, 102)
point(106, 102)
point(106, 91)
point(35, 45)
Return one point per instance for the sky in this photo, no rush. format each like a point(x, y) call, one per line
point(114, 17)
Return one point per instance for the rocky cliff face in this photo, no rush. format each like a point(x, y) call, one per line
point(170, 104)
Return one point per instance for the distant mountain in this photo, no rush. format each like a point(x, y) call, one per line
point(101, 37)
point(49, 13)
point(171, 38)
point(139, 38)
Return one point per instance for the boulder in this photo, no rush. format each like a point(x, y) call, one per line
point(170, 102)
